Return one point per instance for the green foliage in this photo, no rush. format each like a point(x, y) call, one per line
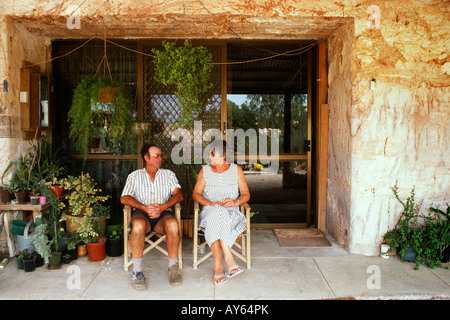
point(49, 162)
point(114, 235)
point(406, 232)
point(428, 239)
point(82, 194)
point(188, 68)
point(87, 114)
point(84, 200)
point(435, 237)
point(41, 242)
point(25, 254)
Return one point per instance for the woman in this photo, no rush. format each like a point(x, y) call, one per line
point(221, 188)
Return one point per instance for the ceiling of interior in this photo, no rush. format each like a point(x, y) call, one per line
point(269, 68)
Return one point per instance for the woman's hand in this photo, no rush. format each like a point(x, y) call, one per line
point(212, 204)
point(228, 202)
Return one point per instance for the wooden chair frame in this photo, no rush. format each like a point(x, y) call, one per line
point(243, 247)
point(148, 238)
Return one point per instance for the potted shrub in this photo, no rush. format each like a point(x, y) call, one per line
point(406, 236)
point(22, 179)
point(84, 202)
point(90, 235)
point(114, 244)
point(96, 248)
point(89, 111)
point(436, 238)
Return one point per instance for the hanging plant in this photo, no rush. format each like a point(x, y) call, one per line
point(187, 68)
point(93, 110)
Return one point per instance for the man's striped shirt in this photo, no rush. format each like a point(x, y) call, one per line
point(140, 186)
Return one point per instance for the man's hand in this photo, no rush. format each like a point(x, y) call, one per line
point(154, 210)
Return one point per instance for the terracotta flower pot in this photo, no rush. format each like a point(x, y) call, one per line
point(108, 94)
point(97, 250)
point(21, 197)
point(5, 196)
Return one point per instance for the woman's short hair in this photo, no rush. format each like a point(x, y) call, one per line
point(220, 147)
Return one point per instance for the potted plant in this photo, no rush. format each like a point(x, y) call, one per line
point(28, 260)
point(41, 242)
point(90, 233)
point(141, 127)
point(54, 260)
point(22, 178)
point(406, 236)
point(46, 248)
point(49, 162)
point(114, 244)
point(89, 112)
point(187, 68)
point(6, 189)
point(436, 238)
point(84, 202)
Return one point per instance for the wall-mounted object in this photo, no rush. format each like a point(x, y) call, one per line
point(373, 84)
point(36, 110)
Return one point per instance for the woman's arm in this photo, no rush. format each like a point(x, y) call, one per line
point(197, 194)
point(244, 193)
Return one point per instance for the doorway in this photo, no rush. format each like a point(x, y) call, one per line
point(269, 89)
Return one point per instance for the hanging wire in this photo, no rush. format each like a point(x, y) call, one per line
point(104, 61)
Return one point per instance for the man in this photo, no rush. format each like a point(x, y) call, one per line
point(152, 192)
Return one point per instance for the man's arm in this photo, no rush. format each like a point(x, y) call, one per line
point(153, 210)
point(177, 196)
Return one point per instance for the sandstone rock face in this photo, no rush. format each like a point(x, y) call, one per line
point(396, 133)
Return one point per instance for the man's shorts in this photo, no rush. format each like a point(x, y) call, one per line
point(152, 222)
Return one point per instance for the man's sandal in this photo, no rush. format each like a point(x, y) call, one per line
point(234, 274)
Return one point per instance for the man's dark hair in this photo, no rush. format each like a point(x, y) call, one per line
point(145, 147)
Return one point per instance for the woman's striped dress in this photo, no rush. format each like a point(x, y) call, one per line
point(220, 222)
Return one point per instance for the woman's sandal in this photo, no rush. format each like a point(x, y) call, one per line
point(234, 274)
point(219, 276)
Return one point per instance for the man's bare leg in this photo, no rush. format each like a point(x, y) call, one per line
point(139, 228)
point(168, 225)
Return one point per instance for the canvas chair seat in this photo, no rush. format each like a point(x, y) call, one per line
point(153, 239)
point(240, 249)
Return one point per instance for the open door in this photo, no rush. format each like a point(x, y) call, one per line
point(272, 94)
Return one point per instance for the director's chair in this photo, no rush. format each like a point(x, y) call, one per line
point(243, 247)
point(152, 244)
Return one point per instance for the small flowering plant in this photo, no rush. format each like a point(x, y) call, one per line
point(90, 230)
point(84, 200)
point(82, 194)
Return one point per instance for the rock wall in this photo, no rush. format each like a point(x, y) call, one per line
point(17, 44)
point(394, 134)
point(399, 129)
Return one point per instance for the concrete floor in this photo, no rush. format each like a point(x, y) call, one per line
point(277, 273)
